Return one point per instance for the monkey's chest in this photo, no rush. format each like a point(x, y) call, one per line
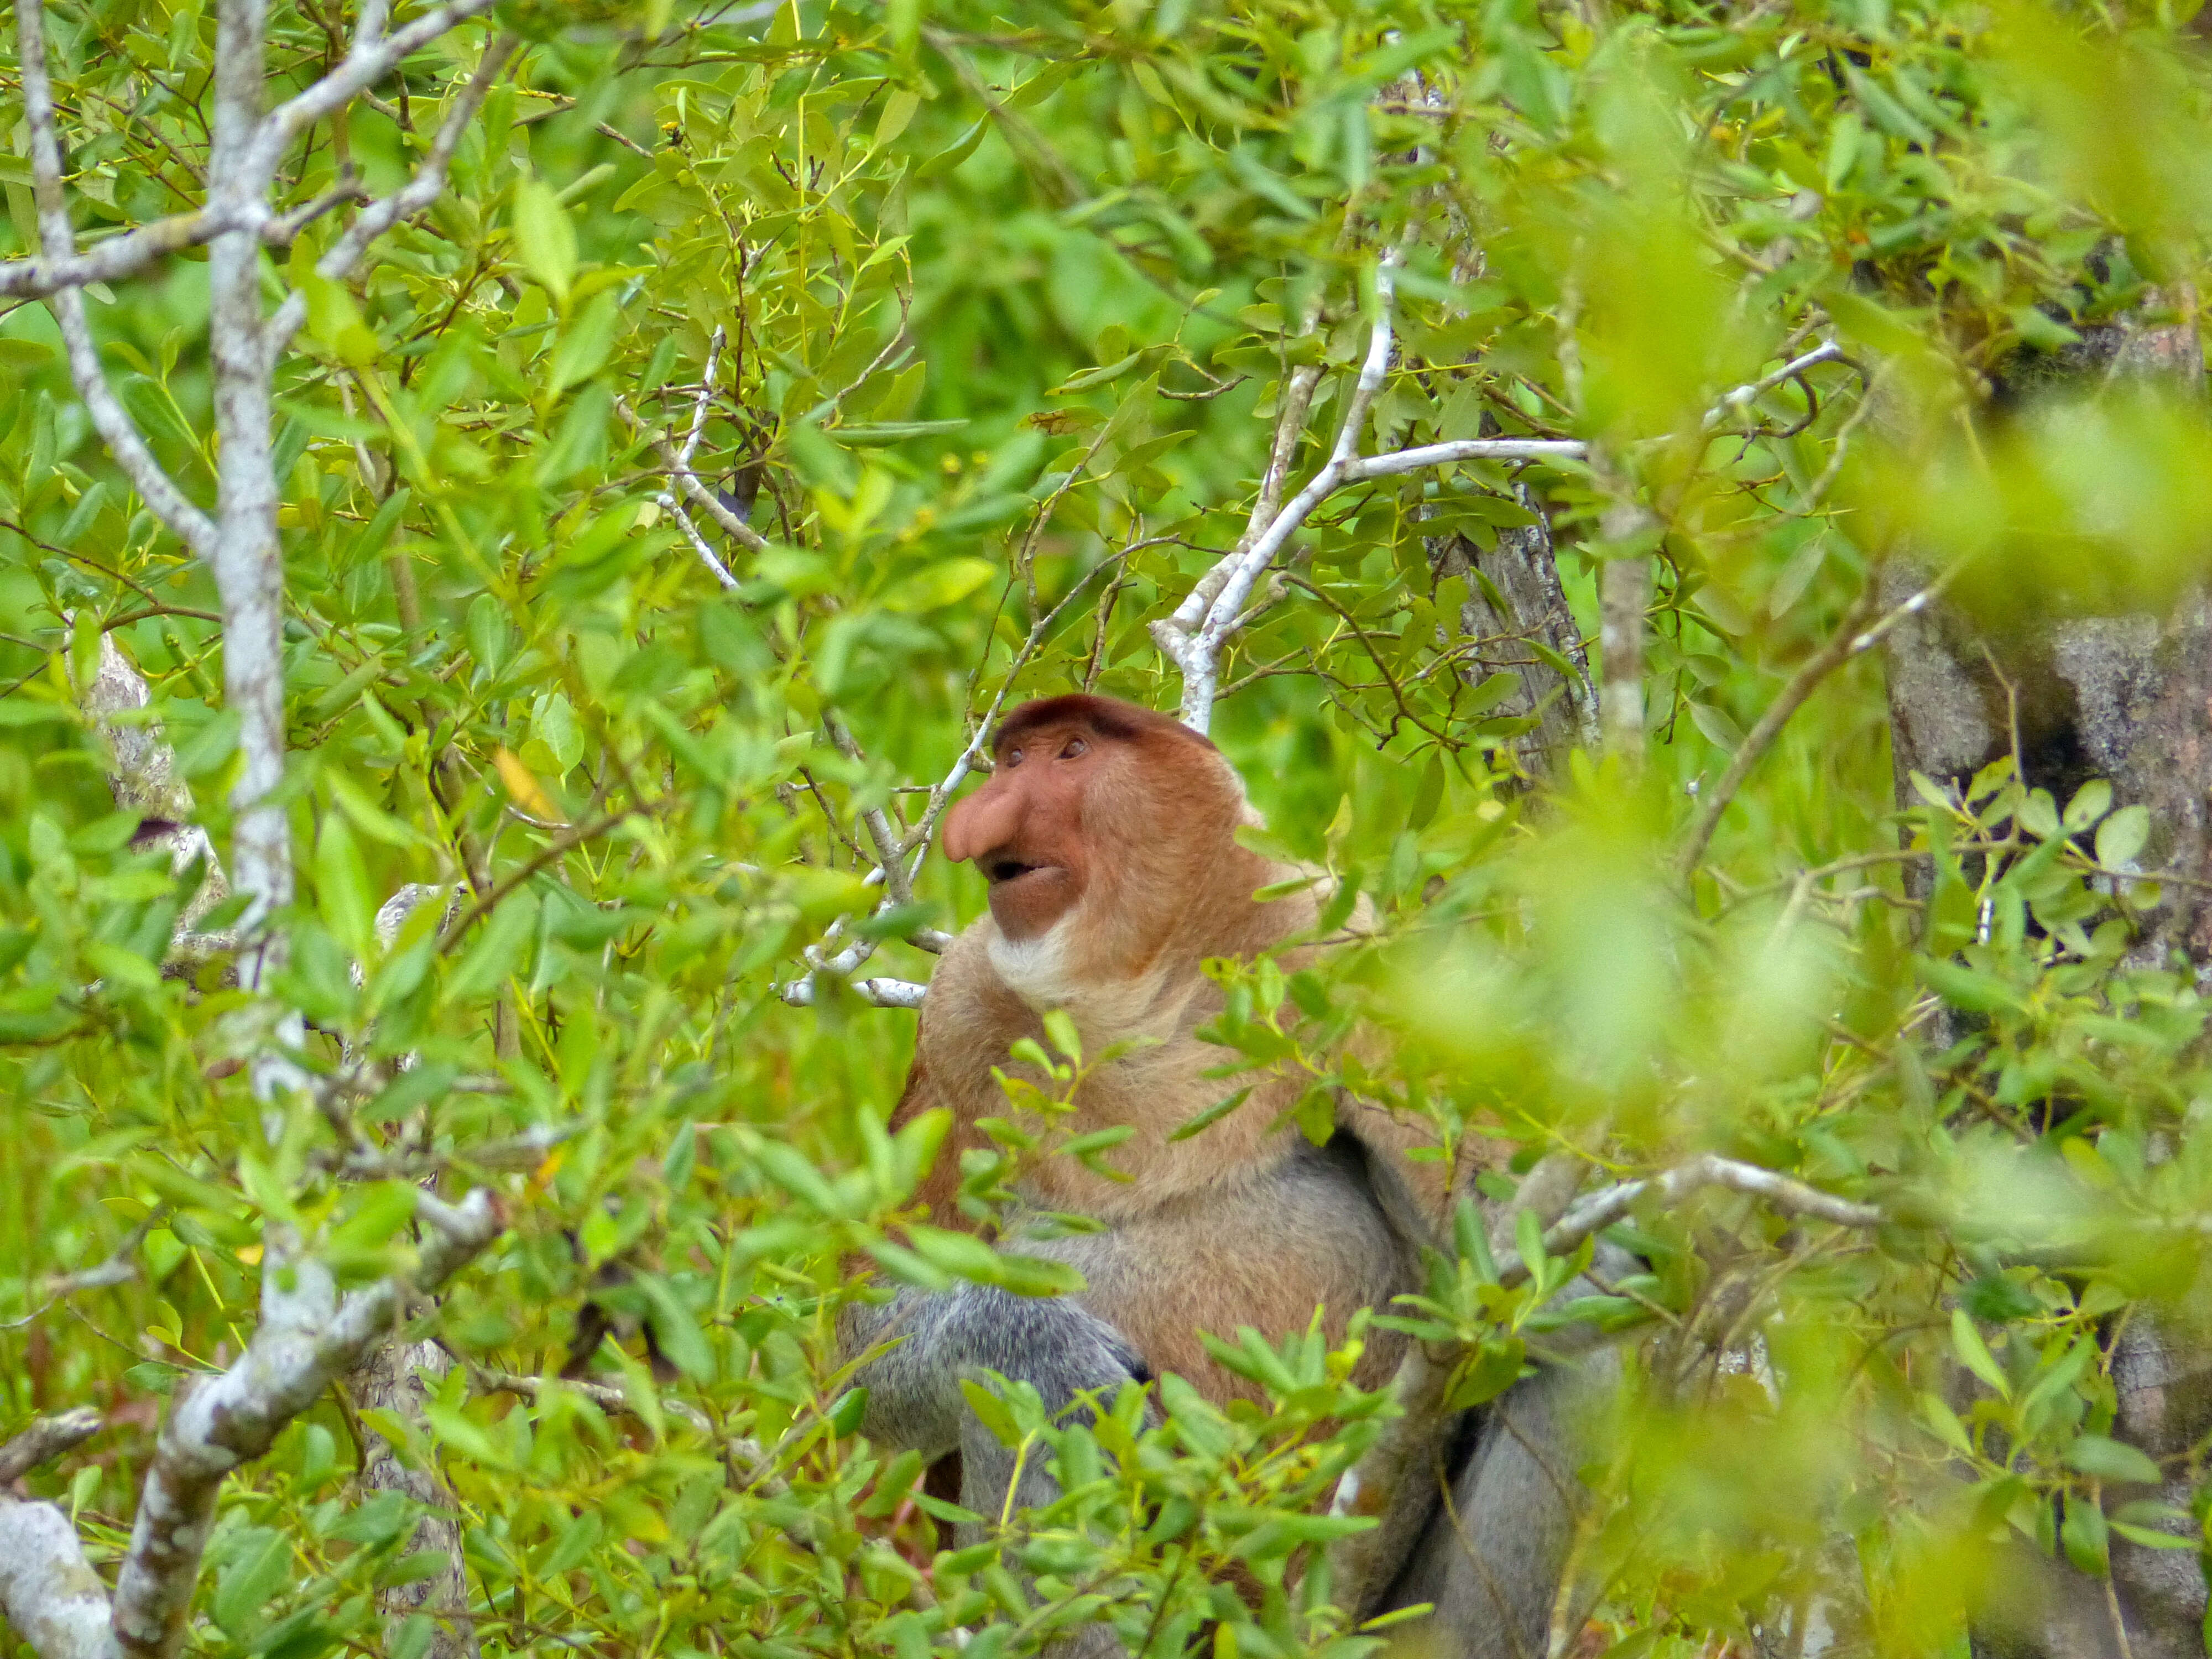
point(1268, 1249)
point(1163, 1159)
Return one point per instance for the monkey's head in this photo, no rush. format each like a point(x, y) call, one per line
point(1099, 804)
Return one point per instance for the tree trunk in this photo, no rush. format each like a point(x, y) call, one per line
point(389, 1382)
point(1525, 573)
point(2126, 698)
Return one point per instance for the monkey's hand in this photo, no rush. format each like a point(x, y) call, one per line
point(1057, 1347)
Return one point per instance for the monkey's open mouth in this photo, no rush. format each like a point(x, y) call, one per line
point(1000, 870)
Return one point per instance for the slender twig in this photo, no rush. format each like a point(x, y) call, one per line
point(890, 849)
point(616, 1402)
point(374, 55)
point(1744, 396)
point(680, 473)
point(410, 199)
point(558, 847)
point(1848, 642)
point(1422, 1387)
point(46, 1439)
point(700, 550)
point(58, 243)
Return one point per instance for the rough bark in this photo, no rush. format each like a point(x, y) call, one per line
point(1525, 573)
point(2127, 698)
point(142, 777)
point(392, 1380)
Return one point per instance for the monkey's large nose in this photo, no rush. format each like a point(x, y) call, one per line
point(984, 822)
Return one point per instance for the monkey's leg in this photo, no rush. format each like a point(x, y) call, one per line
point(1491, 1558)
point(1493, 1554)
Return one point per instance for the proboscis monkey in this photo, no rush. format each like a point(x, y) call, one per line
point(1107, 833)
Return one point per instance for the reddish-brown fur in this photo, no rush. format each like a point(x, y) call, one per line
point(1109, 832)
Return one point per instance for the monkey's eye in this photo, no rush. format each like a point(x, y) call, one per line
point(1013, 758)
point(1075, 746)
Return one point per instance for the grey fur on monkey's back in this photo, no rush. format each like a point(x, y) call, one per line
point(1490, 1566)
point(1491, 1562)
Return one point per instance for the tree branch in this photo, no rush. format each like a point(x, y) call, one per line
point(1848, 642)
point(410, 199)
point(46, 1439)
point(48, 1593)
point(374, 55)
point(1422, 1389)
point(881, 993)
point(123, 255)
point(680, 474)
point(1745, 395)
point(1215, 608)
point(306, 1337)
point(1624, 594)
point(142, 777)
point(58, 242)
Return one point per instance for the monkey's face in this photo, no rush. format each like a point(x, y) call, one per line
point(1024, 828)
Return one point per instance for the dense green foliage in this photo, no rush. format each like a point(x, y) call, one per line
point(1005, 297)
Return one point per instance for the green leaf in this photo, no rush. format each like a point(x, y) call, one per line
point(343, 897)
point(2087, 1538)
point(544, 237)
point(2091, 802)
point(956, 152)
point(2122, 836)
point(1975, 1354)
point(990, 1411)
point(675, 1330)
point(1201, 1120)
point(1060, 1026)
point(944, 583)
point(2111, 1460)
point(1945, 1421)
point(497, 951)
point(259, 1564)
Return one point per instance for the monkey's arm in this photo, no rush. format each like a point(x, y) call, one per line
point(914, 1390)
point(1418, 1194)
point(940, 1337)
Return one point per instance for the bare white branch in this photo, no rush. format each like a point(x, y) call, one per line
point(307, 1338)
point(1624, 594)
point(410, 199)
point(49, 1596)
point(58, 243)
point(1595, 1214)
point(374, 55)
point(890, 847)
point(1219, 605)
point(46, 1439)
point(1422, 1388)
point(1465, 449)
point(680, 474)
point(881, 993)
point(680, 471)
point(123, 255)
point(144, 775)
point(702, 403)
point(700, 550)
point(1743, 396)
